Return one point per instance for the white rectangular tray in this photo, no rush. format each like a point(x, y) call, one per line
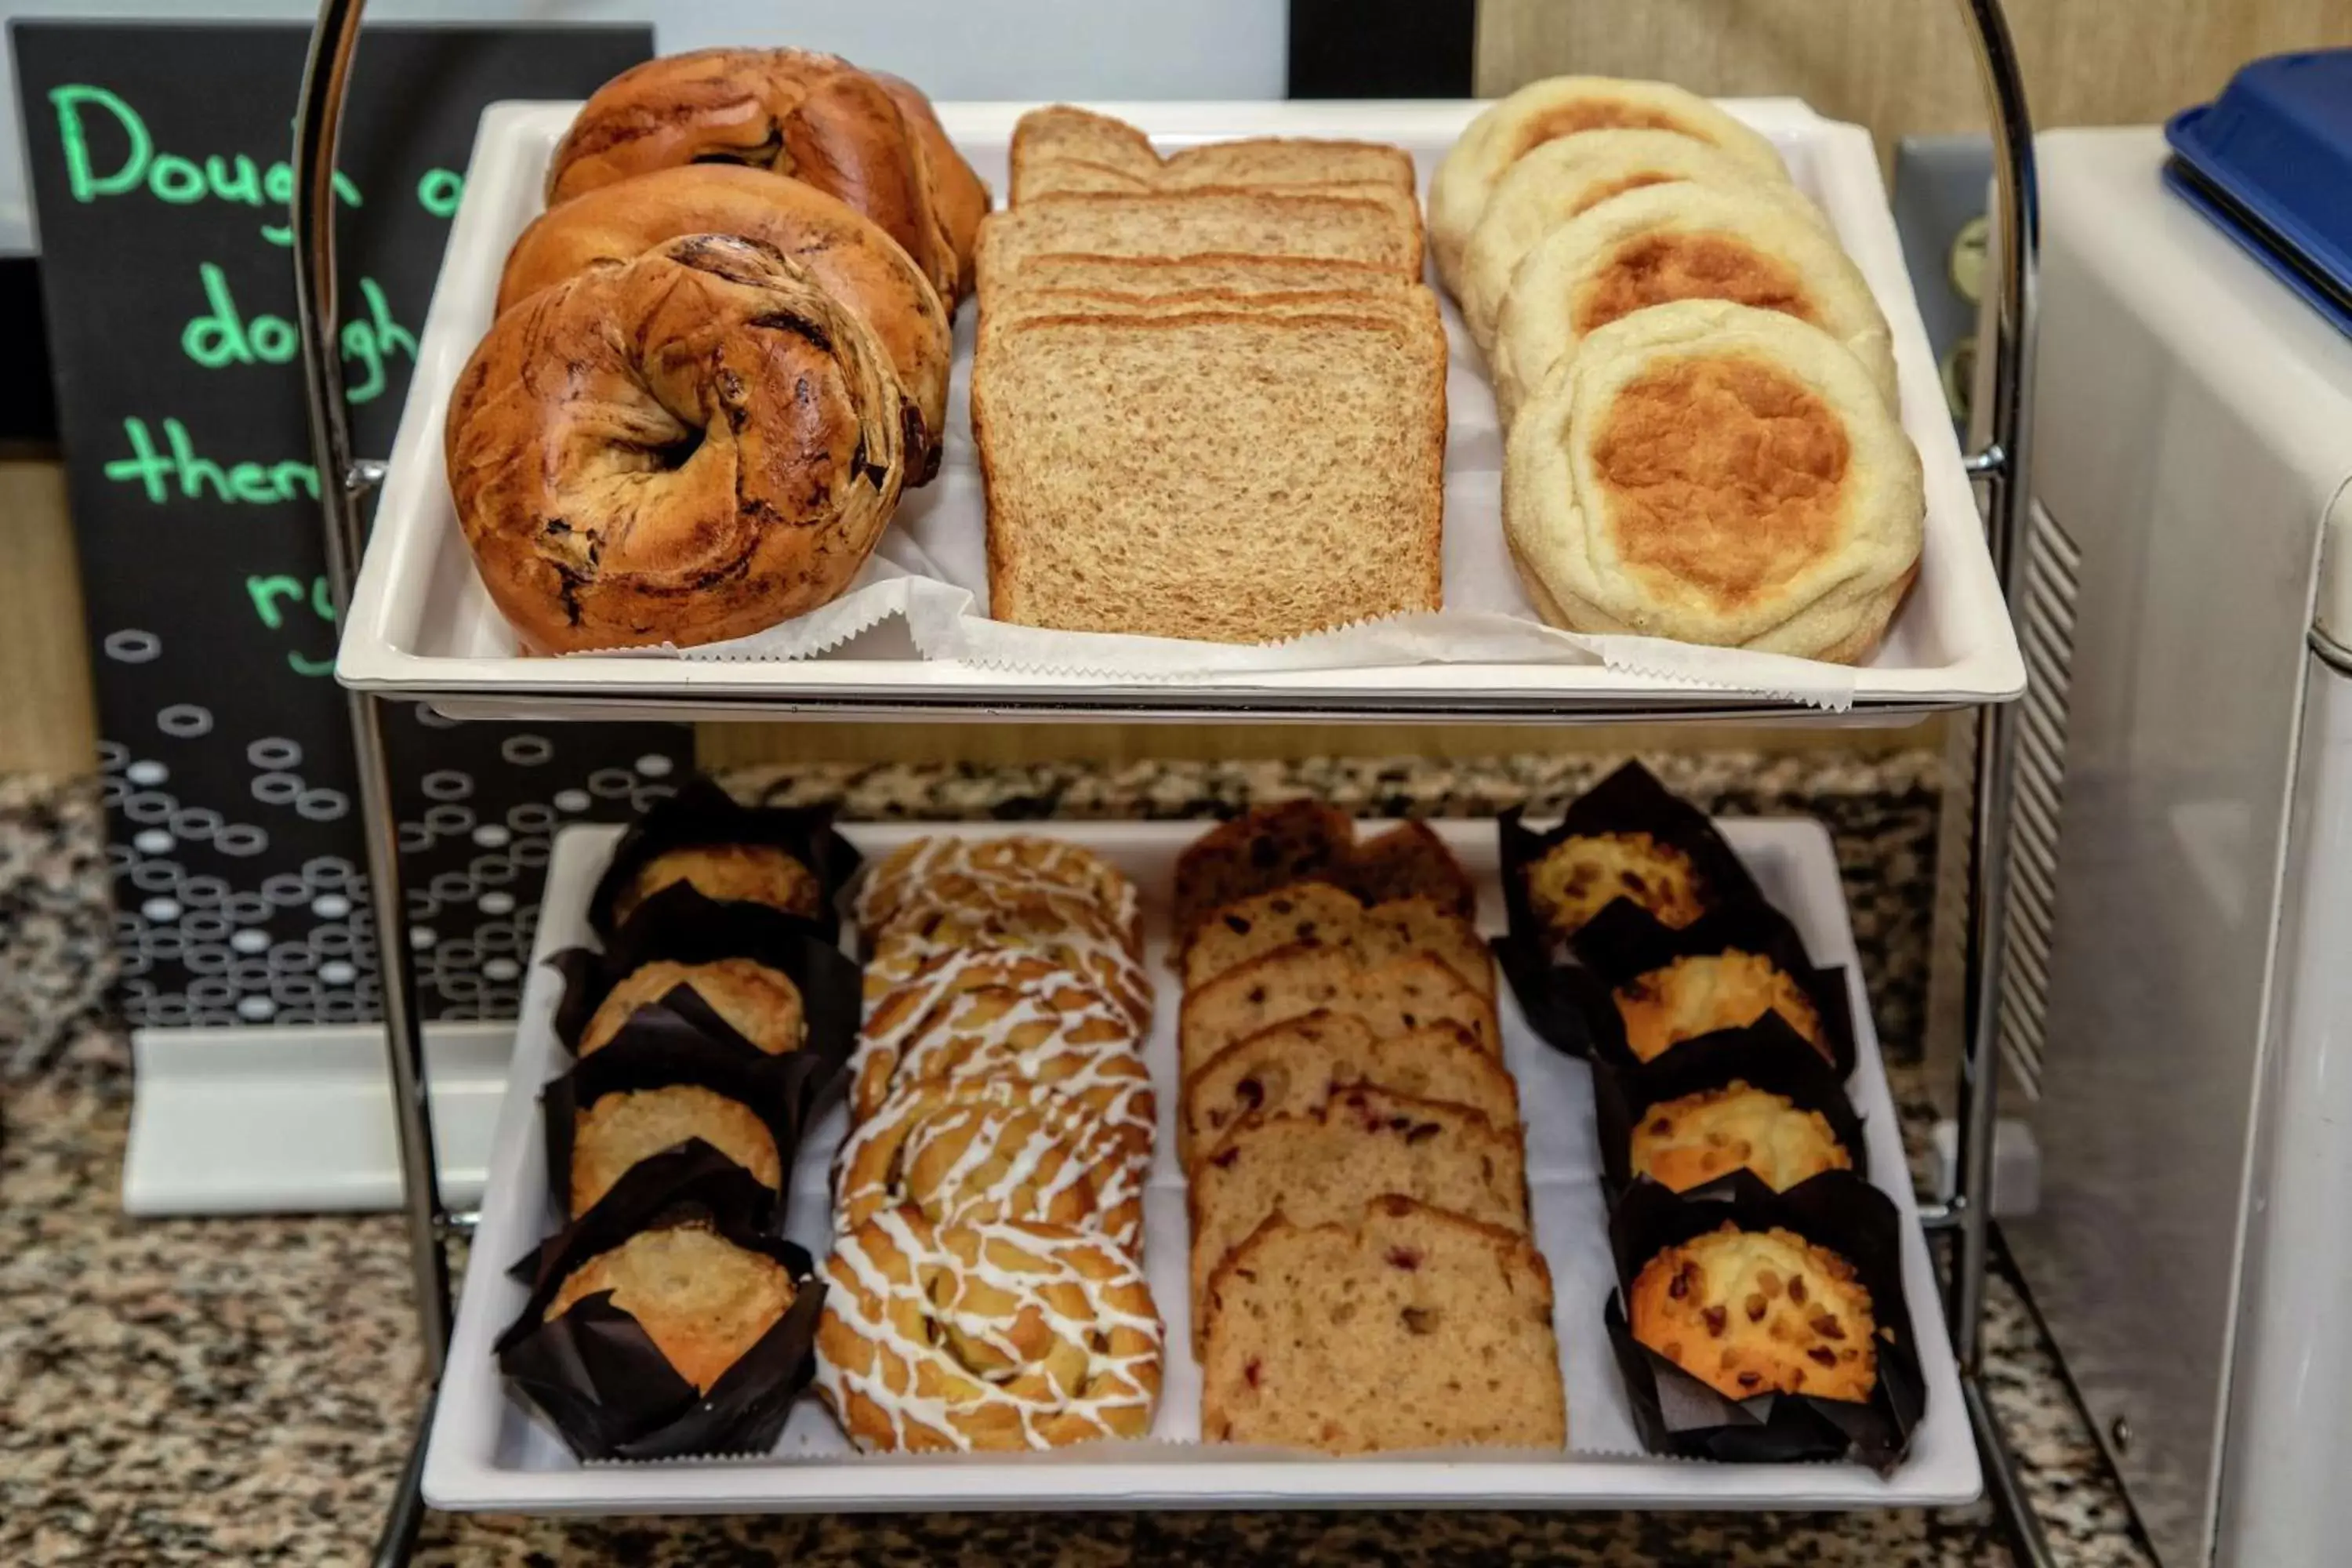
point(420, 625)
point(488, 1451)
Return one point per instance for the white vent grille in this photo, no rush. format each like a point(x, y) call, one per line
point(2046, 625)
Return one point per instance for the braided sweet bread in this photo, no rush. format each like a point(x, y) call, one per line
point(1047, 1033)
point(991, 1336)
point(872, 141)
point(1062, 927)
point(684, 447)
point(995, 1148)
point(915, 872)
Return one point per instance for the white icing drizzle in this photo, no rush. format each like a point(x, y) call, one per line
point(1043, 1145)
point(1022, 861)
point(1036, 923)
point(904, 1286)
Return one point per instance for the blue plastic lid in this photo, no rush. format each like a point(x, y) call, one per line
point(2278, 144)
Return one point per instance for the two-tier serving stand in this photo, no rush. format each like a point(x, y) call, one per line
point(1999, 467)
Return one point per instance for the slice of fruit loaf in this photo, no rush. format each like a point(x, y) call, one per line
point(1409, 860)
point(1317, 1168)
point(1294, 1068)
point(1378, 225)
point(1229, 270)
point(1399, 1326)
point(1266, 847)
point(1317, 913)
point(1325, 508)
point(1400, 994)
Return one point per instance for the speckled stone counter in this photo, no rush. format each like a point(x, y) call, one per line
point(242, 1391)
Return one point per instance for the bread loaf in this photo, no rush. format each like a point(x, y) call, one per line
point(1327, 507)
point(1294, 1068)
point(1319, 914)
point(1378, 226)
point(1393, 998)
point(1396, 1325)
point(1314, 1169)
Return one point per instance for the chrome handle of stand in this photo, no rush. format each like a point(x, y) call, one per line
point(326, 76)
point(2016, 305)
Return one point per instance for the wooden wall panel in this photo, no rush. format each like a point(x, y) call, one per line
point(45, 722)
point(1904, 66)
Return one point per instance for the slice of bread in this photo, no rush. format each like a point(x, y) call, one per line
point(1229, 272)
point(1064, 131)
point(1017, 304)
point(1316, 913)
point(1294, 1068)
point(1401, 995)
point(1316, 1169)
point(1270, 848)
point(1061, 147)
point(1378, 225)
point(1397, 1326)
point(1263, 849)
point(1307, 493)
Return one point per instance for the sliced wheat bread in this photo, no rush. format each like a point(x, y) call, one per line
point(1379, 226)
point(1017, 304)
point(1049, 142)
point(1396, 1326)
point(1393, 998)
point(1317, 913)
point(1305, 492)
point(1317, 1168)
point(1042, 177)
point(1294, 1068)
point(1229, 272)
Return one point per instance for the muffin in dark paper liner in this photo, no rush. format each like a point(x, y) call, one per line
point(679, 925)
point(596, 1372)
point(1767, 1058)
point(703, 815)
point(1629, 801)
point(1678, 1414)
point(1570, 1004)
point(661, 1050)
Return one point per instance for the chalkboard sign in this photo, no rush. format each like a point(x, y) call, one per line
point(159, 157)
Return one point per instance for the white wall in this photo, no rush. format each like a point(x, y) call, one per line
point(952, 48)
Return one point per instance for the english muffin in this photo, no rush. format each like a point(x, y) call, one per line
point(702, 1300)
point(1544, 112)
point(731, 873)
point(1582, 875)
point(1683, 241)
point(1701, 993)
point(1715, 474)
point(1750, 1312)
point(760, 1004)
point(1567, 178)
point(1690, 1141)
point(620, 1129)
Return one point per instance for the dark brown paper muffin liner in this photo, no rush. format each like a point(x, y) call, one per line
point(1774, 1059)
point(1677, 1413)
point(659, 1050)
point(701, 813)
point(1629, 800)
point(681, 925)
point(1570, 1006)
point(597, 1375)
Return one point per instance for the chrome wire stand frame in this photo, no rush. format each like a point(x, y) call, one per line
point(2001, 468)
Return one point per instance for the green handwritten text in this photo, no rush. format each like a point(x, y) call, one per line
point(222, 335)
point(175, 471)
point(167, 176)
point(270, 594)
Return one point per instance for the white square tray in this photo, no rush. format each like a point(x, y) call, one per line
point(488, 1451)
point(420, 625)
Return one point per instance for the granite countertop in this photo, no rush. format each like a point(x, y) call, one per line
point(242, 1390)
